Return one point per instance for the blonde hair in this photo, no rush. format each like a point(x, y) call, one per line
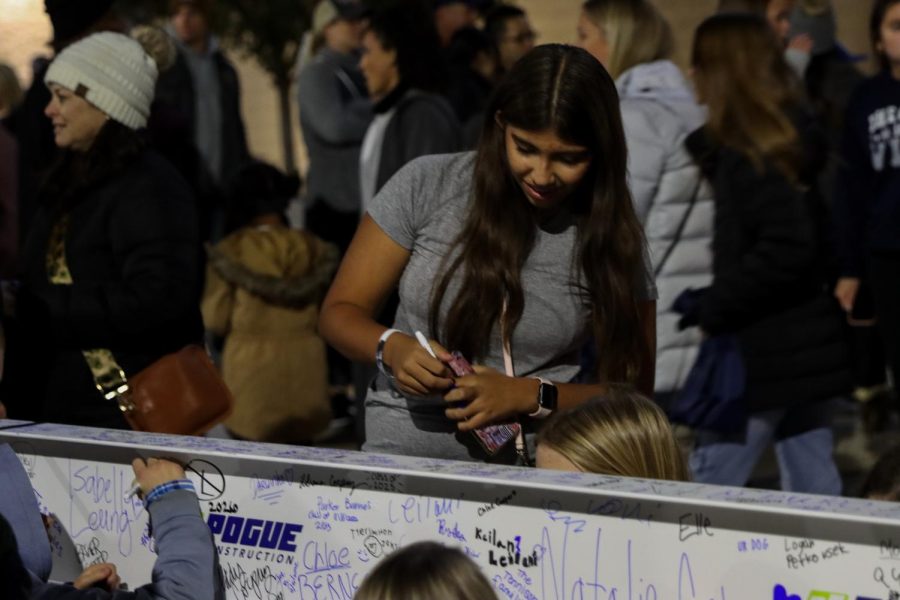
point(635, 30)
point(741, 74)
point(620, 433)
point(425, 571)
point(10, 89)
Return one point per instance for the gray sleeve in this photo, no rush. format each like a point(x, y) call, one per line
point(397, 208)
point(187, 564)
point(335, 121)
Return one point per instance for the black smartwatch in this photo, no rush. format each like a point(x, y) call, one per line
point(547, 399)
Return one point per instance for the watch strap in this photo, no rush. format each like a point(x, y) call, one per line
point(542, 412)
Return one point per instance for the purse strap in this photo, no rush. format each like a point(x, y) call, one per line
point(680, 231)
point(109, 377)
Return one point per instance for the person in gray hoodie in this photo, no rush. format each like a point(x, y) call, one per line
point(335, 112)
point(634, 42)
point(187, 566)
point(203, 90)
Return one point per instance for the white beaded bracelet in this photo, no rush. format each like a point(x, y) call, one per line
point(379, 353)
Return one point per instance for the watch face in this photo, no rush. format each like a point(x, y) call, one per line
point(547, 398)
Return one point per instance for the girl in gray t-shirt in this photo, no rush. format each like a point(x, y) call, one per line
point(531, 243)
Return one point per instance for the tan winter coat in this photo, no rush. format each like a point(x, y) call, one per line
point(263, 289)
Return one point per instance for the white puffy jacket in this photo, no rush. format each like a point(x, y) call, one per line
point(658, 112)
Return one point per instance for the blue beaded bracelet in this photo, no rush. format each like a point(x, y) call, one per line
point(164, 488)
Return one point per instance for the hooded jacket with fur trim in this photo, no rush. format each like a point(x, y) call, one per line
point(263, 290)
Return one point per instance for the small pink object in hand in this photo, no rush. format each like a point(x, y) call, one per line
point(491, 437)
point(459, 365)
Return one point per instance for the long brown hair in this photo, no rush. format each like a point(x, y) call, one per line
point(741, 74)
point(635, 29)
point(621, 433)
point(563, 89)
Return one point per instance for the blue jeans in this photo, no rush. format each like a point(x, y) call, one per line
point(804, 454)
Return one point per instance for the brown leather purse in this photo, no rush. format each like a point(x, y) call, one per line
point(180, 393)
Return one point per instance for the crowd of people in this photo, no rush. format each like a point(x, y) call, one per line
point(580, 222)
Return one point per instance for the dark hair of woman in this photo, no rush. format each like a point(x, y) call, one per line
point(258, 189)
point(566, 90)
point(466, 44)
point(113, 150)
point(879, 10)
point(426, 571)
point(741, 74)
point(409, 30)
point(496, 18)
point(317, 43)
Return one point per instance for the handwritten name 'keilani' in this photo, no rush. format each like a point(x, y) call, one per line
point(513, 550)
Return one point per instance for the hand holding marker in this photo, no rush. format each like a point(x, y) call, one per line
point(423, 341)
point(131, 493)
point(491, 437)
point(457, 363)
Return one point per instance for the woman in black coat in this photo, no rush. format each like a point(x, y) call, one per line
point(769, 284)
point(112, 259)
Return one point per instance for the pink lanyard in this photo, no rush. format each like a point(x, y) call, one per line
point(521, 447)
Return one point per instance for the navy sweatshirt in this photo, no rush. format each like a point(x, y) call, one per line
point(868, 199)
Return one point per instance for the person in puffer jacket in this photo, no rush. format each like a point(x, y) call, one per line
point(634, 42)
point(263, 287)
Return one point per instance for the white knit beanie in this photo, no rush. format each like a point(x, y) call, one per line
point(117, 76)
